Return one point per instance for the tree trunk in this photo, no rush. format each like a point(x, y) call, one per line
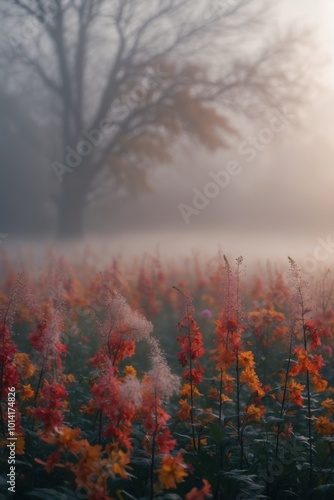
point(71, 212)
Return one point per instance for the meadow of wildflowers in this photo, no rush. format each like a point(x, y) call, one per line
point(193, 380)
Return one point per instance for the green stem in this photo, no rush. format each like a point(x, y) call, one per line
point(220, 398)
point(191, 391)
point(153, 454)
point(309, 427)
point(284, 394)
point(238, 411)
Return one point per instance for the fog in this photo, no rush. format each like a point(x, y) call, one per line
point(273, 196)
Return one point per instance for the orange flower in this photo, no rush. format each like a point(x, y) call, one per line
point(184, 413)
point(65, 438)
point(324, 426)
point(89, 409)
point(172, 471)
point(91, 471)
point(68, 438)
point(319, 384)
point(246, 359)
point(248, 376)
point(266, 316)
point(90, 455)
point(130, 371)
point(26, 392)
point(225, 399)
point(305, 363)
point(280, 332)
point(24, 366)
point(119, 461)
point(196, 494)
point(295, 390)
point(213, 393)
point(328, 404)
point(225, 359)
point(228, 382)
point(186, 390)
point(70, 378)
point(254, 413)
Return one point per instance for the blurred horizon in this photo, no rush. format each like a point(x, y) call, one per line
point(279, 203)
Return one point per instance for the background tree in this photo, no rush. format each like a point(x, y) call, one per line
point(121, 80)
point(24, 207)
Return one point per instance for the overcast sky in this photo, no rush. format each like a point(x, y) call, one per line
point(280, 201)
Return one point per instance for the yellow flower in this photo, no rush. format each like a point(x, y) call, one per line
point(172, 471)
point(26, 392)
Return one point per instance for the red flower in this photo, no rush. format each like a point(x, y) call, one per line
point(52, 399)
point(191, 349)
point(115, 407)
point(196, 494)
point(9, 372)
point(195, 375)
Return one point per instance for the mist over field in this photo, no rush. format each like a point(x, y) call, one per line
point(166, 249)
point(276, 198)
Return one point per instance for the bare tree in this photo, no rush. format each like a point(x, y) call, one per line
point(127, 77)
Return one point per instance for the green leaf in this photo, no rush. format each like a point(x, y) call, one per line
point(217, 432)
